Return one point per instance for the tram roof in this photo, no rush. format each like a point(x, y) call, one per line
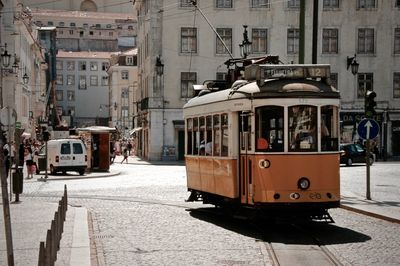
point(270, 88)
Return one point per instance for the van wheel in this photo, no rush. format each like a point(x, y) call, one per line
point(81, 172)
point(37, 171)
point(52, 170)
point(349, 162)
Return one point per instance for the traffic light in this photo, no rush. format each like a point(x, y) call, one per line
point(370, 103)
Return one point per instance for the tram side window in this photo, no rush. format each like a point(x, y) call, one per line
point(302, 128)
point(189, 133)
point(217, 135)
point(196, 136)
point(202, 129)
point(329, 128)
point(225, 135)
point(269, 129)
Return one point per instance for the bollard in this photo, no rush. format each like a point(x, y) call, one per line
point(49, 244)
point(42, 255)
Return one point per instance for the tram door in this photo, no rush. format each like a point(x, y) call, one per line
point(245, 178)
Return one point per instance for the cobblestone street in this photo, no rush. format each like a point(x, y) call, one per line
point(140, 218)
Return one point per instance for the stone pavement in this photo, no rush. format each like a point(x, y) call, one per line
point(31, 219)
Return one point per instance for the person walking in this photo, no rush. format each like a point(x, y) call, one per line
point(125, 154)
point(28, 158)
point(129, 148)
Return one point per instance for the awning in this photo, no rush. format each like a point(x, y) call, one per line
point(136, 129)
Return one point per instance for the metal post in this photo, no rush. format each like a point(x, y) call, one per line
point(302, 29)
point(367, 155)
point(6, 208)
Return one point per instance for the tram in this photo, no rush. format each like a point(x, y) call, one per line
point(270, 141)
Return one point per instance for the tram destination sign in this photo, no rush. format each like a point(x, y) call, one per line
point(262, 72)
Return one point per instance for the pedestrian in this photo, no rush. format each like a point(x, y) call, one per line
point(6, 161)
point(125, 154)
point(28, 158)
point(129, 148)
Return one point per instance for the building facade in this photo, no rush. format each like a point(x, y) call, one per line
point(123, 91)
point(82, 89)
point(180, 34)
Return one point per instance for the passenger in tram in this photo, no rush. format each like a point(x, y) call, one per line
point(262, 144)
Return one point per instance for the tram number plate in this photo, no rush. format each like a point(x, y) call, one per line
point(315, 196)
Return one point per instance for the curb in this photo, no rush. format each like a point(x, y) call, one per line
point(371, 214)
point(80, 249)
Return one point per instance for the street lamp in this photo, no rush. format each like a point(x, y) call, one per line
point(159, 66)
point(352, 62)
point(245, 46)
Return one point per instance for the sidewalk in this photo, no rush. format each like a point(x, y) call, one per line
point(31, 218)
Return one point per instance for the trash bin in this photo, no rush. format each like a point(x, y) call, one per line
point(17, 181)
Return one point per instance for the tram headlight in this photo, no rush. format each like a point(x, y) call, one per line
point(303, 183)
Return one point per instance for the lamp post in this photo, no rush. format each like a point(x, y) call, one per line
point(352, 62)
point(160, 73)
point(245, 46)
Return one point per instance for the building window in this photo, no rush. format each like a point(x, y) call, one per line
point(71, 96)
point(188, 40)
point(93, 66)
point(259, 3)
point(259, 41)
point(104, 81)
point(397, 40)
point(330, 41)
point(70, 65)
point(397, 3)
point(396, 85)
point(50, 23)
point(334, 80)
point(59, 65)
point(365, 83)
point(226, 36)
point(185, 3)
point(104, 66)
point(59, 79)
point(188, 79)
point(59, 95)
point(71, 32)
point(82, 82)
point(82, 65)
point(130, 61)
point(293, 4)
point(124, 75)
point(224, 4)
point(72, 24)
point(293, 41)
point(110, 33)
point(70, 79)
point(61, 24)
point(331, 4)
point(366, 41)
point(365, 4)
point(93, 80)
point(124, 93)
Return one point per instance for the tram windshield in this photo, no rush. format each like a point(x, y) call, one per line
point(304, 132)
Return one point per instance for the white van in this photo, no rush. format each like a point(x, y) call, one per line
point(63, 155)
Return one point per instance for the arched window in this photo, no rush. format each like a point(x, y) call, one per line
point(88, 5)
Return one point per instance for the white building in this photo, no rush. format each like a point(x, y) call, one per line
point(179, 34)
point(124, 91)
point(83, 88)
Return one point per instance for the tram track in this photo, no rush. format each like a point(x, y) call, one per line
point(291, 244)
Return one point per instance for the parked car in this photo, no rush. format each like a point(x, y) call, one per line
point(354, 153)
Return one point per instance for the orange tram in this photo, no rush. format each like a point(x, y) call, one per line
point(270, 141)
